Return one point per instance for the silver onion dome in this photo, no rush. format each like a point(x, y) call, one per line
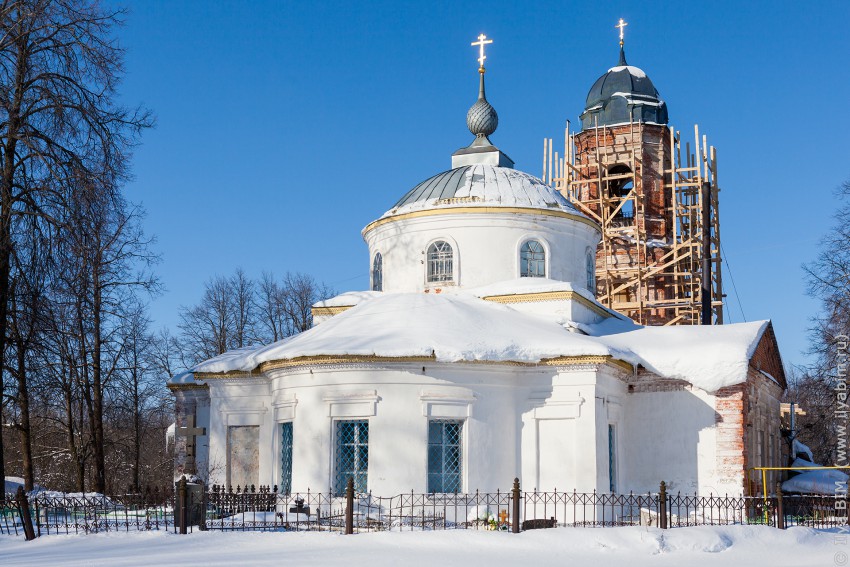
point(482, 119)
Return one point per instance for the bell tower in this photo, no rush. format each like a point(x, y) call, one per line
point(655, 197)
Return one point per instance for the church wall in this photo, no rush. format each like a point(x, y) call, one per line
point(562, 447)
point(559, 310)
point(398, 401)
point(486, 248)
point(610, 397)
point(669, 434)
point(238, 402)
point(762, 439)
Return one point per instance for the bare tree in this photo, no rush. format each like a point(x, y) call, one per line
point(272, 323)
point(236, 312)
point(829, 281)
point(140, 400)
point(59, 68)
point(300, 292)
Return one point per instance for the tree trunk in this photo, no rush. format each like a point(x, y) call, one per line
point(25, 429)
point(79, 465)
point(137, 421)
point(97, 379)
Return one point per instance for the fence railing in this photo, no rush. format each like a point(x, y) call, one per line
point(193, 506)
point(66, 513)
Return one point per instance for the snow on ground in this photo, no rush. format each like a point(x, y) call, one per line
point(633, 546)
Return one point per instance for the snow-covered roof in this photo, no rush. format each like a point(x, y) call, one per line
point(708, 356)
point(461, 327)
point(482, 186)
point(347, 299)
point(451, 328)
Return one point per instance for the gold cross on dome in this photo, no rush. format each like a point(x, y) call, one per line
point(622, 26)
point(482, 41)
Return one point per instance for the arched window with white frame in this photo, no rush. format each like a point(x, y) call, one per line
point(440, 258)
point(532, 260)
point(378, 272)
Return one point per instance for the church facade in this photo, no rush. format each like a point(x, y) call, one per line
point(481, 354)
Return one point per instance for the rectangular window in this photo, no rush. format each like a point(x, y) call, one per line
point(352, 455)
point(612, 460)
point(286, 457)
point(760, 448)
point(445, 455)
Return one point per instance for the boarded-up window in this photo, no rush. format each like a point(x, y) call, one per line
point(243, 455)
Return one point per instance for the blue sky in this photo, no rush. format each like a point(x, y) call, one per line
point(283, 128)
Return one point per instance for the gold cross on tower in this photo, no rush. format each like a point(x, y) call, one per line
point(622, 26)
point(482, 41)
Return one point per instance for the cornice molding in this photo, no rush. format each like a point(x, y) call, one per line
point(333, 310)
point(183, 387)
point(481, 210)
point(548, 296)
point(353, 360)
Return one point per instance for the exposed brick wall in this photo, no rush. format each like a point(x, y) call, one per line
point(767, 357)
point(746, 409)
point(652, 159)
point(731, 445)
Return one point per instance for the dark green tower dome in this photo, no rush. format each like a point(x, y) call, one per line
point(622, 95)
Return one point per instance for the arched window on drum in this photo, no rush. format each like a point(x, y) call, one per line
point(590, 263)
point(532, 260)
point(378, 273)
point(440, 262)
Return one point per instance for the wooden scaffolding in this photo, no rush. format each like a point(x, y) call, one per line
point(656, 199)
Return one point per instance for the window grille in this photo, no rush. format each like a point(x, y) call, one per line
point(352, 455)
point(445, 455)
point(591, 271)
point(286, 457)
point(612, 459)
point(378, 273)
point(440, 262)
point(532, 260)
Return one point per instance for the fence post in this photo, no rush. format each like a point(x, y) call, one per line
point(515, 496)
point(780, 513)
point(349, 506)
point(183, 504)
point(662, 509)
point(204, 504)
point(24, 510)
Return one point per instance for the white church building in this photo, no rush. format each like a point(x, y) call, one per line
point(480, 354)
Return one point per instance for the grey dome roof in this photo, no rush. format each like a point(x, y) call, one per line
point(624, 94)
point(482, 185)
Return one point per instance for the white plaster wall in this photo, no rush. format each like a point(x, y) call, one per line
point(558, 447)
point(397, 402)
point(670, 436)
point(559, 311)
point(545, 425)
point(486, 247)
point(238, 402)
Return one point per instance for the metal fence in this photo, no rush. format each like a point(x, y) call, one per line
point(192, 507)
point(66, 513)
